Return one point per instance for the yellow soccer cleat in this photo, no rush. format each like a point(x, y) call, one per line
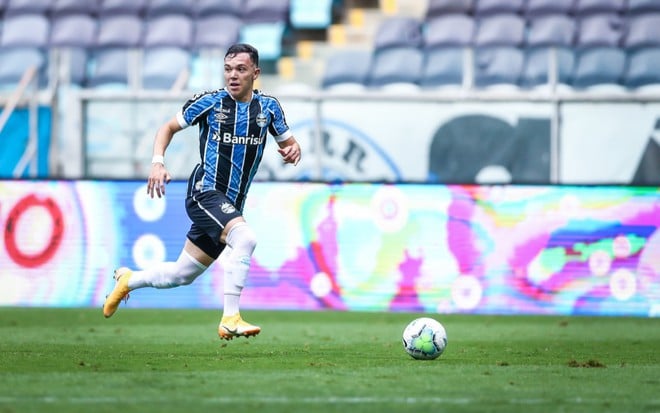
point(235, 326)
point(119, 293)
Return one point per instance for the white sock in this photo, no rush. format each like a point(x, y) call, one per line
point(168, 274)
point(242, 241)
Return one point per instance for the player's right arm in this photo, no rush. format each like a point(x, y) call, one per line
point(159, 175)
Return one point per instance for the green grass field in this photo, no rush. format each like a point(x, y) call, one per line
point(74, 360)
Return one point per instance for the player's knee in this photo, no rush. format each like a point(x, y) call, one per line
point(242, 237)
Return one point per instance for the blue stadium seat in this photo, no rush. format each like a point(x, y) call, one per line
point(112, 7)
point(266, 11)
point(505, 29)
point(60, 7)
point(643, 31)
point(541, 7)
point(158, 31)
point(396, 66)
point(599, 66)
point(453, 29)
point(161, 7)
point(443, 67)
point(205, 8)
point(15, 61)
point(162, 66)
point(585, 7)
point(216, 31)
point(550, 30)
point(538, 67)
point(305, 14)
point(398, 31)
point(642, 68)
point(25, 30)
point(600, 30)
point(14, 7)
point(73, 30)
point(109, 68)
point(123, 30)
point(498, 66)
point(439, 7)
point(642, 6)
point(350, 67)
point(266, 37)
point(483, 7)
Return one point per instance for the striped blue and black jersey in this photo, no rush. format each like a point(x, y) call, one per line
point(232, 138)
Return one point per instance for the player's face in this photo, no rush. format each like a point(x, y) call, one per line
point(240, 74)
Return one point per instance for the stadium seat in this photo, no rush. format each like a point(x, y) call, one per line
point(642, 6)
point(14, 7)
point(216, 31)
point(73, 30)
point(498, 66)
point(400, 65)
point(109, 68)
point(600, 30)
point(500, 30)
point(484, 7)
point(162, 66)
point(124, 30)
point(599, 66)
point(346, 67)
point(158, 31)
point(453, 29)
point(25, 30)
point(440, 7)
point(538, 66)
point(15, 61)
point(111, 7)
point(585, 7)
point(169, 7)
point(266, 37)
point(643, 31)
point(72, 65)
point(60, 7)
point(550, 30)
point(541, 7)
point(443, 67)
point(398, 31)
point(205, 8)
point(642, 68)
point(266, 11)
point(305, 14)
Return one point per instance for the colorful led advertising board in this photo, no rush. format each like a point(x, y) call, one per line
point(367, 247)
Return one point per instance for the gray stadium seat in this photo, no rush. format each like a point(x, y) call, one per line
point(443, 66)
point(168, 30)
point(347, 67)
point(73, 30)
point(110, 7)
point(642, 6)
point(266, 11)
point(541, 7)
point(59, 7)
point(498, 66)
point(550, 30)
point(109, 68)
point(396, 65)
point(500, 30)
point(216, 31)
point(15, 61)
point(205, 8)
point(449, 30)
point(600, 30)
point(398, 31)
point(162, 66)
point(483, 7)
point(642, 68)
point(160, 7)
point(119, 31)
point(598, 66)
point(439, 7)
point(536, 71)
point(643, 30)
point(13, 7)
point(305, 14)
point(25, 30)
point(584, 7)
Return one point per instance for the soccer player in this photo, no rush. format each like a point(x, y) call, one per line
point(233, 124)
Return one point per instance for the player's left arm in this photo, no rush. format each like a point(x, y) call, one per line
point(290, 150)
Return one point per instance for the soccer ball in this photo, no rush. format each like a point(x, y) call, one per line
point(424, 339)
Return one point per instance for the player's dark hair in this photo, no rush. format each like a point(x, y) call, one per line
point(244, 48)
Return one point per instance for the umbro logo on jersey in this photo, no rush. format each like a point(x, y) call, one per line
point(220, 117)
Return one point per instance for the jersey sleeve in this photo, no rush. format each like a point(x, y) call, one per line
point(278, 127)
point(195, 109)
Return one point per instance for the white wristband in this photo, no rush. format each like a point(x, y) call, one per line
point(158, 159)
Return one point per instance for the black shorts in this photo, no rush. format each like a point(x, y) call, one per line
point(210, 212)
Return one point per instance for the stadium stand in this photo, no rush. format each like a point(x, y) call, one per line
point(14, 62)
point(603, 65)
point(550, 30)
point(110, 7)
point(542, 7)
point(440, 7)
point(506, 29)
point(486, 7)
point(498, 66)
point(124, 30)
point(398, 31)
point(25, 30)
point(642, 68)
point(109, 68)
point(600, 30)
point(305, 14)
point(643, 31)
point(165, 67)
point(396, 65)
point(642, 6)
point(443, 68)
point(347, 69)
point(73, 30)
point(206, 8)
point(587, 7)
point(539, 67)
point(14, 7)
point(449, 30)
point(216, 31)
point(168, 7)
point(169, 30)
